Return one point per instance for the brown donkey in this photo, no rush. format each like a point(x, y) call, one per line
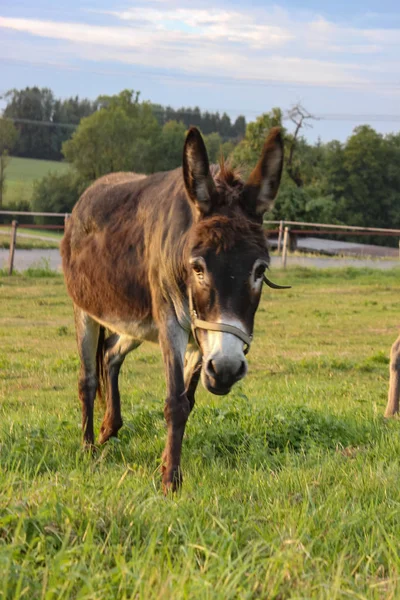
point(177, 257)
point(394, 387)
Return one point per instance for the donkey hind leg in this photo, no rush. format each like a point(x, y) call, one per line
point(115, 351)
point(87, 337)
point(394, 385)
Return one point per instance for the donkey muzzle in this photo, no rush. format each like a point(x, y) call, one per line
point(220, 372)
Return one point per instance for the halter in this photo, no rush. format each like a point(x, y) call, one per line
point(224, 327)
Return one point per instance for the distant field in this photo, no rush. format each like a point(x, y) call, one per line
point(22, 172)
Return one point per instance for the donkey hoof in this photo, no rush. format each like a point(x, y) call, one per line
point(172, 480)
point(89, 447)
point(105, 434)
point(108, 430)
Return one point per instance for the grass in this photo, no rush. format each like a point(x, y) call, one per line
point(26, 238)
point(22, 172)
point(29, 243)
point(291, 483)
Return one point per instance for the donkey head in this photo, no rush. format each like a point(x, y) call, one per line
point(228, 255)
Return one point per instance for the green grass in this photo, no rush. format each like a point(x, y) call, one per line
point(22, 172)
point(24, 243)
point(291, 483)
point(50, 233)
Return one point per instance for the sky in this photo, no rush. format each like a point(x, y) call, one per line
point(340, 60)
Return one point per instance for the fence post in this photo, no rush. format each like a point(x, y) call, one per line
point(285, 246)
point(13, 241)
point(280, 236)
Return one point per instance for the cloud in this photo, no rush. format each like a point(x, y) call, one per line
point(255, 44)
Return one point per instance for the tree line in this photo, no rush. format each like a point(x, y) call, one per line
point(44, 122)
point(352, 183)
point(208, 122)
point(356, 182)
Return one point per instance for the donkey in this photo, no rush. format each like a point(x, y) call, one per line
point(174, 259)
point(394, 386)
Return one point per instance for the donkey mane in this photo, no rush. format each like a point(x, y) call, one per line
point(228, 183)
point(221, 233)
point(230, 226)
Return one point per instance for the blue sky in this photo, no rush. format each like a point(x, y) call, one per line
point(340, 59)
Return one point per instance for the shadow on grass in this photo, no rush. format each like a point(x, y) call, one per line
point(251, 436)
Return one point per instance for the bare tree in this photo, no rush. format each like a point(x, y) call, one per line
point(300, 117)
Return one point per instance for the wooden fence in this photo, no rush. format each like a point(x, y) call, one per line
point(284, 230)
point(15, 226)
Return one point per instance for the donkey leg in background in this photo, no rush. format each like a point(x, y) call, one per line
point(116, 349)
point(87, 336)
point(173, 342)
point(394, 386)
point(192, 372)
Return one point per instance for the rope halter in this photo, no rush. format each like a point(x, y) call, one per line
point(197, 323)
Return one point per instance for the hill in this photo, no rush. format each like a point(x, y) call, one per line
point(22, 172)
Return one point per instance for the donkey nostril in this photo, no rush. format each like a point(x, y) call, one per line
point(242, 369)
point(211, 368)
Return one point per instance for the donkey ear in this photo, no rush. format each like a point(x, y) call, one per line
point(199, 183)
point(263, 183)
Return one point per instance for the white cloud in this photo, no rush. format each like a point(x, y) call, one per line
point(256, 45)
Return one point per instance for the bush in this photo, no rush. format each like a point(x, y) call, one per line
point(19, 205)
point(57, 193)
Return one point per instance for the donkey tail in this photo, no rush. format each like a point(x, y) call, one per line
point(101, 370)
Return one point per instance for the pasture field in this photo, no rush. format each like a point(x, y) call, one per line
point(291, 483)
point(32, 241)
point(22, 172)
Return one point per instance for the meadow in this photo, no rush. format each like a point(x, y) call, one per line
point(291, 482)
point(22, 172)
point(30, 239)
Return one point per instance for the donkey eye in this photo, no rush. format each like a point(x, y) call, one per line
point(259, 272)
point(199, 270)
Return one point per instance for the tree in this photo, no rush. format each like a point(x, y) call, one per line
point(213, 142)
point(299, 116)
point(248, 151)
point(43, 122)
point(27, 108)
point(169, 148)
point(120, 136)
point(308, 204)
point(364, 178)
point(239, 127)
point(57, 193)
point(207, 122)
point(8, 139)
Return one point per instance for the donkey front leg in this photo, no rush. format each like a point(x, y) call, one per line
point(394, 386)
point(173, 342)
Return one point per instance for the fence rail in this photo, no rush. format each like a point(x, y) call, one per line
point(281, 223)
point(284, 231)
point(331, 226)
point(33, 214)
